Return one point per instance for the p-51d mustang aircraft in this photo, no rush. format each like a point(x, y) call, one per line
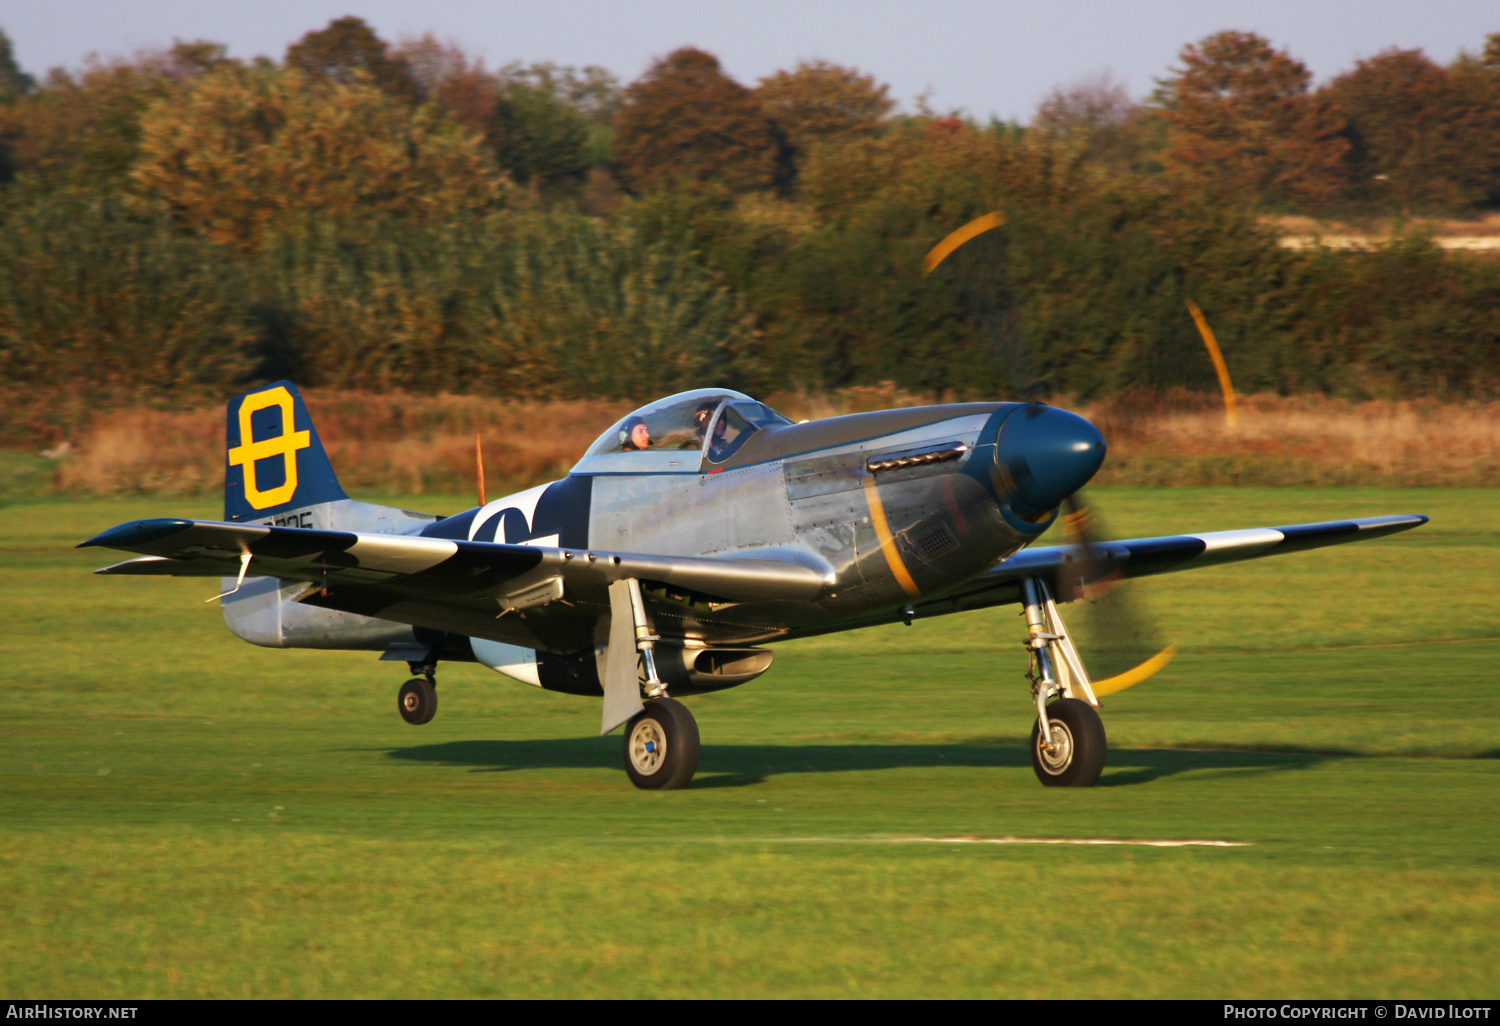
point(692, 532)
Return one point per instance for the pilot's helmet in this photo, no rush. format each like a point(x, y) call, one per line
point(703, 414)
point(627, 428)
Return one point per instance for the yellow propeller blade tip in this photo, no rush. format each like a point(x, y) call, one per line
point(1130, 678)
point(479, 464)
point(978, 226)
point(1210, 343)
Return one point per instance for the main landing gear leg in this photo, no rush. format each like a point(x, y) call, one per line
point(417, 700)
point(661, 737)
point(1067, 740)
point(645, 641)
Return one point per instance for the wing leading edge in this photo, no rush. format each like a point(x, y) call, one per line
point(1142, 557)
point(454, 572)
point(463, 586)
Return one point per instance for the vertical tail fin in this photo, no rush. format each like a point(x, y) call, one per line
point(274, 461)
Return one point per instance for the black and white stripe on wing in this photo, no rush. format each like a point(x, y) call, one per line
point(1141, 557)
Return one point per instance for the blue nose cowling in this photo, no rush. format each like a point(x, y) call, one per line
point(1047, 454)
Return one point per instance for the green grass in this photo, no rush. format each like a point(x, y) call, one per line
point(24, 476)
point(185, 815)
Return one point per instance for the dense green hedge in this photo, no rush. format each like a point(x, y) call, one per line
point(1082, 291)
point(102, 294)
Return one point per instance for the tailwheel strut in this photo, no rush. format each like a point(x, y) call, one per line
point(1067, 741)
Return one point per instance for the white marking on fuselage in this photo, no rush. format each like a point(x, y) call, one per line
point(523, 502)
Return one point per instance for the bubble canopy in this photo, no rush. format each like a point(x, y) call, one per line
point(683, 425)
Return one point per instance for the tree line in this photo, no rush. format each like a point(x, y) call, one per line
point(367, 215)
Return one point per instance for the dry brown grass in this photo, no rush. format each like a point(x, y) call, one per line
point(392, 443)
point(413, 445)
point(1184, 438)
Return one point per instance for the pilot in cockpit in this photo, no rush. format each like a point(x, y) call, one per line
point(634, 435)
point(701, 418)
point(714, 421)
point(730, 432)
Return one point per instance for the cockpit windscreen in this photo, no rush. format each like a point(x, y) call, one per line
point(679, 421)
point(684, 422)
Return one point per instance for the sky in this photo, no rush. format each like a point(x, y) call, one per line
point(981, 58)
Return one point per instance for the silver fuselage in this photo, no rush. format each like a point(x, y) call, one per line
point(885, 542)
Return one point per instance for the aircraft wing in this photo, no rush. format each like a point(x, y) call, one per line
point(1141, 557)
point(464, 584)
point(163, 566)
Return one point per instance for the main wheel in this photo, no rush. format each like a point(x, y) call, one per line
point(1076, 757)
point(417, 701)
point(661, 746)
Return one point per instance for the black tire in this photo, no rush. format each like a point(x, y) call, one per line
point(667, 724)
point(417, 701)
point(1078, 732)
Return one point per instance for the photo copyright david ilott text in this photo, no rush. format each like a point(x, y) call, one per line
point(1343, 1010)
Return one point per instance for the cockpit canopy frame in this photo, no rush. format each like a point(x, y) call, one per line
point(685, 433)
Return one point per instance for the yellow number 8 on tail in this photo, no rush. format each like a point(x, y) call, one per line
point(285, 445)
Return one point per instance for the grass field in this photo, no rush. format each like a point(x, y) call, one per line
point(185, 815)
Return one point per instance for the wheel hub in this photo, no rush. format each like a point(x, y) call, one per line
point(411, 701)
point(648, 746)
point(1058, 756)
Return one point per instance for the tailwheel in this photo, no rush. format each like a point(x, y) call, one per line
point(661, 746)
point(417, 700)
point(1075, 758)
